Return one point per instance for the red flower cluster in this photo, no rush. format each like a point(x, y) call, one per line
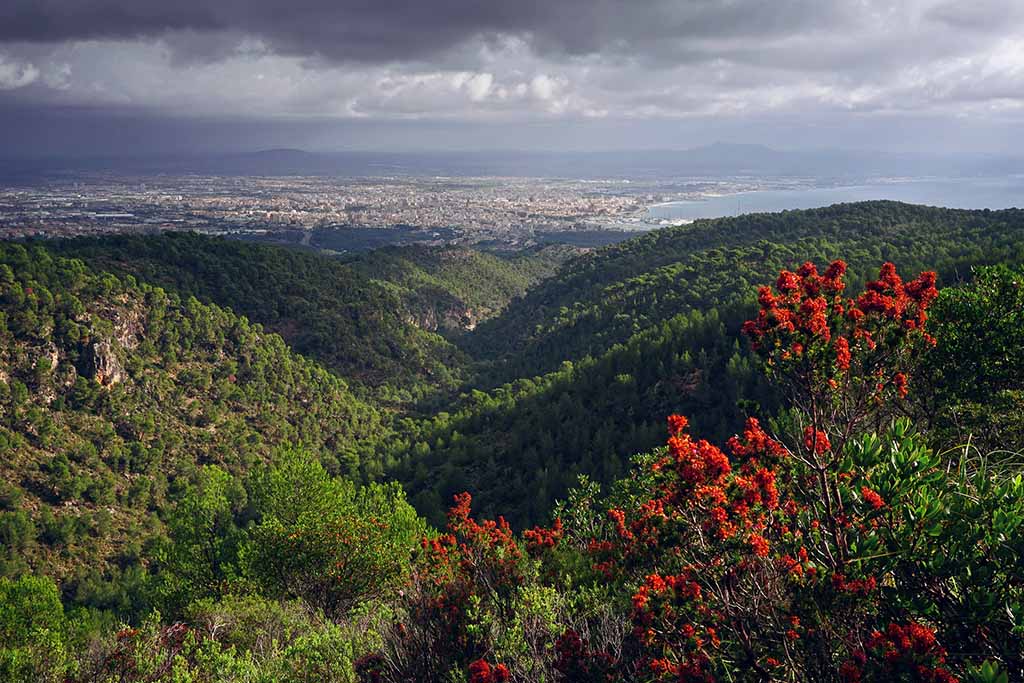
point(682, 586)
point(693, 670)
point(481, 671)
point(890, 299)
point(677, 424)
point(669, 614)
point(809, 328)
point(816, 441)
point(731, 508)
point(755, 442)
point(539, 539)
point(889, 296)
point(754, 521)
point(759, 545)
point(842, 347)
point(872, 498)
point(899, 381)
point(903, 652)
point(618, 517)
point(489, 545)
point(801, 307)
point(473, 563)
point(861, 587)
point(695, 462)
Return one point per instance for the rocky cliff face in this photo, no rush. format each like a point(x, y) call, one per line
point(453, 318)
point(100, 362)
point(129, 326)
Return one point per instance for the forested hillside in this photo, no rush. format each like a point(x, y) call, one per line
point(606, 296)
point(452, 289)
point(568, 379)
point(371, 320)
point(524, 445)
point(114, 393)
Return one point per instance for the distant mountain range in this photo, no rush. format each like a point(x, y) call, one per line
point(717, 159)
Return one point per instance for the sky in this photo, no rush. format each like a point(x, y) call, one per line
point(141, 76)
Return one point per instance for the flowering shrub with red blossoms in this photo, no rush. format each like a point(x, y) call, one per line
point(901, 651)
point(836, 549)
point(844, 359)
point(461, 574)
point(746, 571)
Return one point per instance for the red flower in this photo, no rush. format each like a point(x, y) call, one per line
point(759, 545)
point(482, 672)
point(711, 494)
point(849, 672)
point(788, 282)
point(872, 498)
point(755, 442)
point(808, 269)
point(887, 276)
point(816, 440)
point(842, 354)
point(835, 271)
point(813, 318)
point(619, 517)
point(910, 646)
point(677, 424)
point(540, 539)
point(900, 382)
point(922, 290)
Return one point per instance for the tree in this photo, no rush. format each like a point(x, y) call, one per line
point(324, 540)
point(201, 558)
point(32, 631)
point(976, 370)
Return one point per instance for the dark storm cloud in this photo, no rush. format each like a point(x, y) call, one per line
point(61, 20)
point(858, 65)
point(398, 30)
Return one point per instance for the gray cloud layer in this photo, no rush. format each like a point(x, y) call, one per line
point(531, 60)
point(387, 30)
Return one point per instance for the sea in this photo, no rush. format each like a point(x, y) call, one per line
point(957, 193)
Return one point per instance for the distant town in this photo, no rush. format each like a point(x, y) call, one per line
point(504, 212)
